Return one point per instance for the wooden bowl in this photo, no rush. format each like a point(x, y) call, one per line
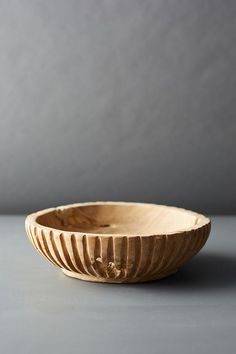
point(116, 242)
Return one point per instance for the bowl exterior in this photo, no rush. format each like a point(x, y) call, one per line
point(117, 259)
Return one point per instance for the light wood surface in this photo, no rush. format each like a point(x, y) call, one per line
point(117, 242)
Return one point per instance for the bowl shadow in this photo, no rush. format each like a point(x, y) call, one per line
point(207, 271)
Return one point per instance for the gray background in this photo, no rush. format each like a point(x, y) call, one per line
point(117, 100)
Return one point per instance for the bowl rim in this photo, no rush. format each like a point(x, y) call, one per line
point(31, 219)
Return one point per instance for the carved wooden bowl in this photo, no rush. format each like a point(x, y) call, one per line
point(117, 242)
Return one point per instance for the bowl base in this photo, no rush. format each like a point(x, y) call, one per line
point(113, 280)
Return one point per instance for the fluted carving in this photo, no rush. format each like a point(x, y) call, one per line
point(116, 258)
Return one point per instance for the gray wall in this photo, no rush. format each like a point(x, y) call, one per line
point(118, 100)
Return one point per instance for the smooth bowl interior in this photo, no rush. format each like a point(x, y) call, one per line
point(120, 218)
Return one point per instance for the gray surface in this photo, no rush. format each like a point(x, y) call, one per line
point(43, 311)
point(117, 100)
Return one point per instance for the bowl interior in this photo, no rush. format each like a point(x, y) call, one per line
point(120, 218)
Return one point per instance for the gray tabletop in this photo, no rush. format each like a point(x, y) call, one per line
point(43, 311)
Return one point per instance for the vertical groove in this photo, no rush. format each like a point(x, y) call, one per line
point(112, 271)
point(150, 259)
point(77, 258)
point(124, 257)
point(47, 251)
point(87, 258)
point(27, 227)
point(55, 250)
point(32, 236)
point(202, 238)
point(177, 253)
point(160, 260)
point(98, 262)
point(169, 254)
point(208, 228)
point(189, 248)
point(98, 248)
point(40, 249)
point(198, 238)
point(176, 261)
point(137, 258)
point(66, 253)
point(110, 250)
point(38, 246)
point(206, 233)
